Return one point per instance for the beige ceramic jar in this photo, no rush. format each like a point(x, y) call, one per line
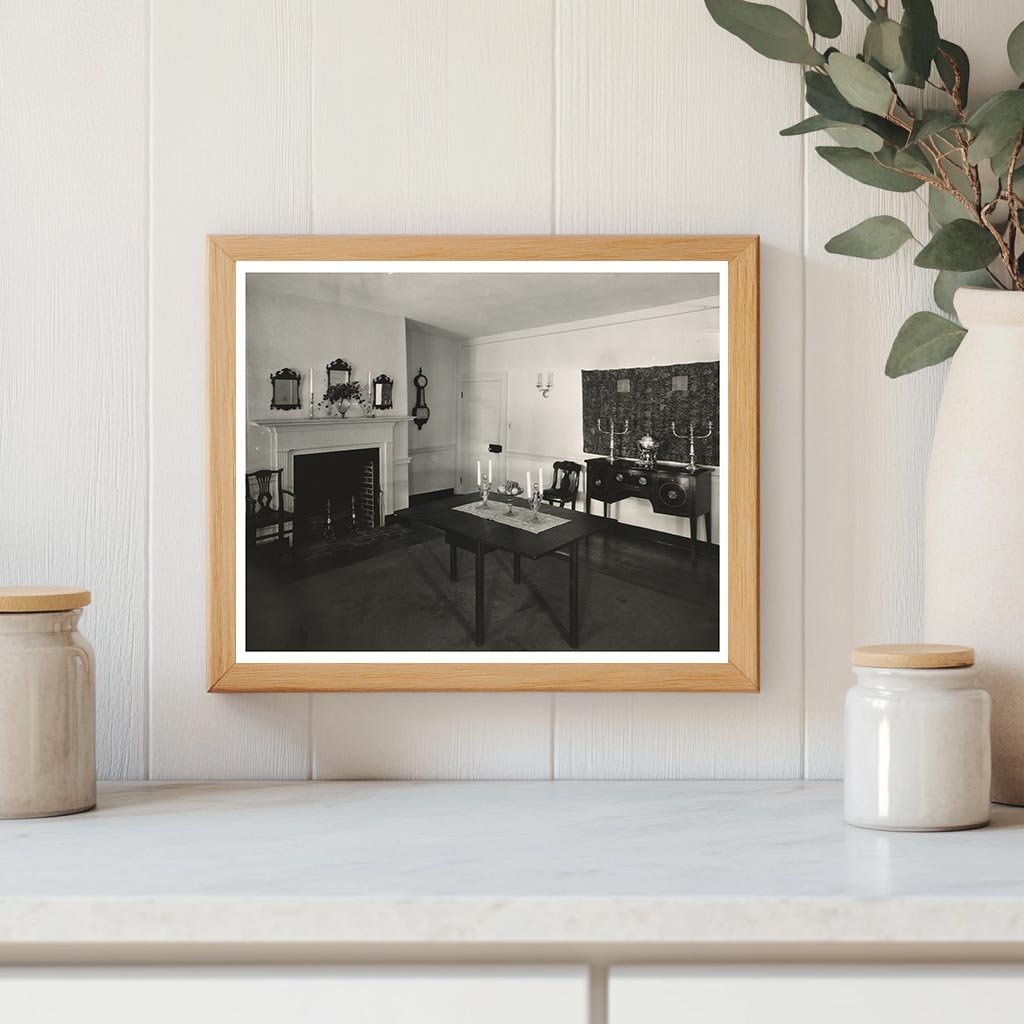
point(47, 704)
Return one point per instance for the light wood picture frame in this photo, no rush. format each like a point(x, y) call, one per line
point(738, 668)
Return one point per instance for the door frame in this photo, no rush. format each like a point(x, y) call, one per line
point(501, 376)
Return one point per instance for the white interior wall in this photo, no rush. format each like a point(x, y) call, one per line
point(306, 334)
point(432, 447)
point(131, 131)
point(542, 431)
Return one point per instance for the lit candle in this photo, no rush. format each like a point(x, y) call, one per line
point(529, 483)
point(540, 379)
point(490, 477)
point(478, 472)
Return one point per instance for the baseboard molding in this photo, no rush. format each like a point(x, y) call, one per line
point(657, 537)
point(422, 499)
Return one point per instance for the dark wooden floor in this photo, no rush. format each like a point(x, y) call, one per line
point(636, 594)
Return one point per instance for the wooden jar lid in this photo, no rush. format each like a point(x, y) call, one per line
point(913, 656)
point(42, 599)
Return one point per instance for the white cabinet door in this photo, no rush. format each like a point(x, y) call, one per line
point(814, 995)
point(254, 995)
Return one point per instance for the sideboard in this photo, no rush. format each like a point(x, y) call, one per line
point(671, 490)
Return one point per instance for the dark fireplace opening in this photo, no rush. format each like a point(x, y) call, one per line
point(336, 493)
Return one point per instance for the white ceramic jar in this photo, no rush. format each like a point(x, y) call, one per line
point(918, 750)
point(47, 704)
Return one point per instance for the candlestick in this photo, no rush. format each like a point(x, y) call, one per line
point(311, 393)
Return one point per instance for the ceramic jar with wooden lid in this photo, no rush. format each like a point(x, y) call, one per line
point(918, 752)
point(47, 704)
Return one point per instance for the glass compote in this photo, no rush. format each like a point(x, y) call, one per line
point(512, 489)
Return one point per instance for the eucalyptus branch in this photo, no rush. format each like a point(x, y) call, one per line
point(862, 90)
point(956, 93)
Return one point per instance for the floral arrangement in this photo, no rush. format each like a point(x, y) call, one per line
point(966, 159)
point(337, 395)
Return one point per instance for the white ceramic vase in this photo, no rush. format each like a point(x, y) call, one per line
point(974, 518)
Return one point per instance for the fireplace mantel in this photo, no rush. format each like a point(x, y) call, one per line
point(292, 436)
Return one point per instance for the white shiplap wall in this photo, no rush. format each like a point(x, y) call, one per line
point(131, 131)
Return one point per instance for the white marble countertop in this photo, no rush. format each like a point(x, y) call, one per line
point(536, 863)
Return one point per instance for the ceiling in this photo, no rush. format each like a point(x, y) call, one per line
point(477, 304)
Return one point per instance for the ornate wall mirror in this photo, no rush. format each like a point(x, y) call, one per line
point(284, 387)
point(383, 386)
point(338, 372)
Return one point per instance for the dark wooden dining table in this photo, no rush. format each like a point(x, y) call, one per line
point(481, 536)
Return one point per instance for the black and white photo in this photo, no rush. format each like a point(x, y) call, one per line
point(471, 460)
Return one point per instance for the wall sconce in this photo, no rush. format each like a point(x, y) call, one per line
point(623, 386)
point(545, 389)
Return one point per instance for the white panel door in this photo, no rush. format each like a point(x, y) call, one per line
point(483, 424)
point(296, 996)
point(810, 995)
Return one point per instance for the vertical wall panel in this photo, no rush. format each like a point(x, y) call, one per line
point(230, 117)
point(73, 341)
point(868, 437)
point(432, 116)
point(665, 123)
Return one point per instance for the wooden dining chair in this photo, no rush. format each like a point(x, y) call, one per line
point(565, 484)
point(265, 506)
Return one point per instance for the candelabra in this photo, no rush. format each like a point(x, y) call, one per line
point(535, 502)
point(692, 467)
point(612, 434)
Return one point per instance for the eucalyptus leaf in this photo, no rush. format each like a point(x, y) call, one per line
point(869, 168)
point(934, 123)
point(950, 59)
point(844, 134)
point(914, 159)
point(1015, 50)
point(926, 339)
point(1001, 164)
point(766, 29)
point(947, 282)
point(860, 85)
point(996, 124)
point(817, 123)
point(919, 35)
point(943, 208)
point(825, 98)
point(882, 46)
point(854, 136)
point(960, 245)
point(872, 239)
point(892, 133)
point(824, 18)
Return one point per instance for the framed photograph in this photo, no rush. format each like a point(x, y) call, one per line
point(483, 463)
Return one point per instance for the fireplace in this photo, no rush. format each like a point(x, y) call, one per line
point(336, 493)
